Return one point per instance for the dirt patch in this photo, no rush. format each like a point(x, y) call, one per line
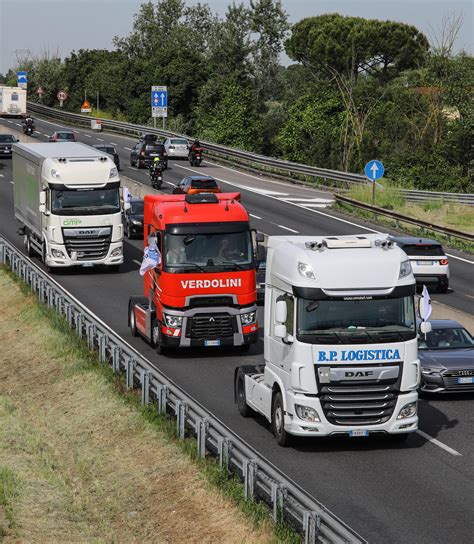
point(89, 467)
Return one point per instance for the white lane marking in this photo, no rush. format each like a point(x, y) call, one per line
point(18, 124)
point(38, 132)
point(137, 262)
point(87, 135)
point(287, 228)
point(459, 258)
point(113, 143)
point(262, 191)
point(2, 176)
point(100, 139)
point(289, 203)
point(308, 200)
point(310, 205)
point(436, 442)
point(11, 182)
point(254, 216)
point(11, 122)
point(169, 183)
point(127, 148)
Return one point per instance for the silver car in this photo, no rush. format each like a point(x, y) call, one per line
point(177, 148)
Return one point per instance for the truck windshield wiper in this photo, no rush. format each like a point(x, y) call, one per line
point(199, 267)
point(232, 263)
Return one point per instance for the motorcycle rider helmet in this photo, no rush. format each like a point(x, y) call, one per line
point(156, 159)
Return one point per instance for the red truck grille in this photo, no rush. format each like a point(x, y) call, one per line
point(210, 327)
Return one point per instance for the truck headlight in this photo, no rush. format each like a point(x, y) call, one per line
point(173, 321)
point(116, 252)
point(135, 222)
point(430, 371)
point(55, 174)
point(405, 269)
point(113, 172)
point(247, 319)
point(409, 410)
point(307, 413)
point(57, 253)
point(306, 270)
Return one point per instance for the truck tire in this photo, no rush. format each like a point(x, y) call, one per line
point(43, 257)
point(27, 241)
point(131, 319)
point(278, 421)
point(244, 408)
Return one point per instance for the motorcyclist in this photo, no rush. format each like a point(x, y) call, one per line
point(194, 147)
point(28, 122)
point(156, 166)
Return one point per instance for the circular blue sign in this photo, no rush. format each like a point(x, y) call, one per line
point(374, 170)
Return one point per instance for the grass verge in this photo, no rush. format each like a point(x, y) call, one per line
point(81, 463)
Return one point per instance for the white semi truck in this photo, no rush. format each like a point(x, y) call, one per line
point(12, 101)
point(66, 197)
point(340, 340)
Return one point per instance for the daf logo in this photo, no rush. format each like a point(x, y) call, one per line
point(86, 232)
point(212, 320)
point(358, 374)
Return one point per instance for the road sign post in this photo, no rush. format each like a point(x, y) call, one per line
point(374, 170)
point(159, 103)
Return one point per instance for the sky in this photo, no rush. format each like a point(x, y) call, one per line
point(66, 25)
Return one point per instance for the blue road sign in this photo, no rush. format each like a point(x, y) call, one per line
point(159, 99)
point(374, 170)
point(21, 78)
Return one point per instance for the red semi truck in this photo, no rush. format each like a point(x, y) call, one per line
point(203, 294)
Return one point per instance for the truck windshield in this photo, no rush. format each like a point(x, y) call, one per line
point(85, 202)
point(356, 321)
point(208, 252)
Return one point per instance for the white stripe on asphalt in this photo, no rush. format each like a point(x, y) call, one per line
point(311, 205)
point(308, 200)
point(100, 139)
point(11, 122)
point(2, 176)
point(38, 132)
point(87, 135)
point(113, 143)
point(18, 124)
point(137, 262)
point(254, 216)
point(127, 148)
point(11, 182)
point(287, 228)
point(169, 183)
point(436, 442)
point(459, 258)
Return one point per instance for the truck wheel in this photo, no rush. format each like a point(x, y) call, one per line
point(27, 241)
point(131, 319)
point(278, 421)
point(244, 408)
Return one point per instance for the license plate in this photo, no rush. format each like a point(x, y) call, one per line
point(154, 155)
point(87, 265)
point(209, 343)
point(6, 151)
point(359, 432)
point(466, 380)
point(429, 263)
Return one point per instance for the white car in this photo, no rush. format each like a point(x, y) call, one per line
point(428, 260)
point(177, 148)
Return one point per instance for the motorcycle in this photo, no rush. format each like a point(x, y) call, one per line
point(28, 130)
point(156, 176)
point(195, 157)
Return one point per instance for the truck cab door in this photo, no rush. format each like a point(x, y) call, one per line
point(281, 349)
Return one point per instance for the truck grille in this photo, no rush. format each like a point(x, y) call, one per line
point(450, 379)
point(210, 326)
point(89, 244)
point(367, 402)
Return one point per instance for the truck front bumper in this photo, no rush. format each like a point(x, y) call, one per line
point(299, 427)
point(57, 256)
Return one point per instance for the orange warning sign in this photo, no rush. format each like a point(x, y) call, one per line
point(86, 107)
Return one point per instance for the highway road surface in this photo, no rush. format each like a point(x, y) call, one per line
point(417, 492)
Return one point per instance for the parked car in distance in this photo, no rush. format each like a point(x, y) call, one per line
point(261, 271)
point(145, 151)
point(110, 150)
point(133, 218)
point(428, 260)
point(6, 142)
point(63, 136)
point(193, 185)
point(177, 148)
point(446, 358)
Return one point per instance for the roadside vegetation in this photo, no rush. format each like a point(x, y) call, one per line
point(80, 462)
point(358, 89)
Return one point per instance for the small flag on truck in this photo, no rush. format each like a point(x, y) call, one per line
point(151, 258)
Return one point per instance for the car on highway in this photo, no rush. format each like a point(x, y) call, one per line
point(6, 142)
point(133, 218)
point(428, 260)
point(63, 136)
point(447, 358)
point(193, 185)
point(261, 271)
point(145, 151)
point(177, 148)
point(109, 149)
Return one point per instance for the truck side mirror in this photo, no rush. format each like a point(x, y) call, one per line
point(281, 312)
point(42, 202)
point(260, 238)
point(425, 327)
point(280, 331)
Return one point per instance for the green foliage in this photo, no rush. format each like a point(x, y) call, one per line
point(388, 198)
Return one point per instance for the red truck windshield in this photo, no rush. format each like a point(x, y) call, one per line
point(208, 252)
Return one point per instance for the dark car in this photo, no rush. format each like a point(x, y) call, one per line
point(133, 218)
point(110, 150)
point(447, 358)
point(261, 270)
point(145, 151)
point(63, 136)
point(6, 142)
point(193, 185)
point(428, 260)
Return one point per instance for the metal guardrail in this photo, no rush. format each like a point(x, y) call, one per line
point(262, 481)
point(267, 164)
point(399, 218)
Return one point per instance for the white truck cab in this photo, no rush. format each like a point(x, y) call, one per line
point(340, 339)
